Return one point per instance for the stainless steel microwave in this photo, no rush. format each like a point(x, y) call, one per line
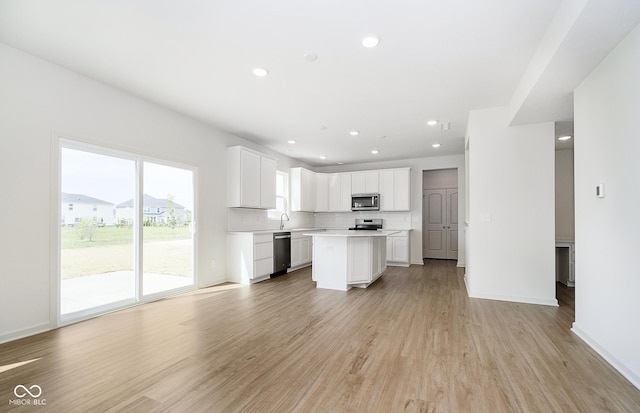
point(365, 202)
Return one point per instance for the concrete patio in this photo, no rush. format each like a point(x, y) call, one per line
point(82, 293)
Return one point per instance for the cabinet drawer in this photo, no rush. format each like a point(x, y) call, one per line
point(263, 250)
point(262, 267)
point(257, 238)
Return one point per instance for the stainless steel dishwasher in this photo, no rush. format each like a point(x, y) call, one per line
point(281, 252)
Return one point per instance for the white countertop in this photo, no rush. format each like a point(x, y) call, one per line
point(271, 231)
point(350, 233)
point(385, 231)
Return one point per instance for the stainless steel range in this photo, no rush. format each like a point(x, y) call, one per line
point(367, 224)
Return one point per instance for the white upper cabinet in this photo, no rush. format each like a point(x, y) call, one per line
point(387, 191)
point(303, 190)
point(340, 192)
point(364, 182)
point(268, 171)
point(322, 192)
point(403, 189)
point(331, 192)
point(251, 179)
point(395, 185)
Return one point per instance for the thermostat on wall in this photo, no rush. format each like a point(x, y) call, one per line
point(600, 191)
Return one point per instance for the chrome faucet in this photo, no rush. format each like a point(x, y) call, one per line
point(284, 214)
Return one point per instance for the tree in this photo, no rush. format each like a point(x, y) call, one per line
point(86, 228)
point(172, 221)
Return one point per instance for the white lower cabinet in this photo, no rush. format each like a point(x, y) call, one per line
point(366, 259)
point(398, 249)
point(301, 250)
point(249, 257)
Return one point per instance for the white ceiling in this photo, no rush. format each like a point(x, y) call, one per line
point(435, 60)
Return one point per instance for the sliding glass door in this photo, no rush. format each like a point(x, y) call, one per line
point(126, 229)
point(97, 259)
point(167, 207)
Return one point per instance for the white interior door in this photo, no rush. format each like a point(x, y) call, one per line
point(435, 223)
point(440, 223)
point(452, 224)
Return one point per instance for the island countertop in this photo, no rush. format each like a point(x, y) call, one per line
point(351, 233)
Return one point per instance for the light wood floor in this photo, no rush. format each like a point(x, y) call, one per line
point(412, 342)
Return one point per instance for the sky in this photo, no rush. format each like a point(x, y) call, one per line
point(112, 179)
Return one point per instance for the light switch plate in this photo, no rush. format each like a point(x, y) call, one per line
point(485, 217)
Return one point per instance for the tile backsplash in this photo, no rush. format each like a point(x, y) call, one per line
point(241, 219)
point(343, 220)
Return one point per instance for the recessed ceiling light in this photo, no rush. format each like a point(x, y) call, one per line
point(565, 138)
point(436, 145)
point(370, 41)
point(432, 122)
point(375, 151)
point(354, 133)
point(291, 141)
point(260, 71)
point(323, 157)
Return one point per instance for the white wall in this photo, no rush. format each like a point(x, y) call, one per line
point(565, 228)
point(607, 148)
point(417, 166)
point(440, 179)
point(511, 233)
point(39, 98)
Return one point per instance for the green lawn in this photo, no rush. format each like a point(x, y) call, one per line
point(107, 236)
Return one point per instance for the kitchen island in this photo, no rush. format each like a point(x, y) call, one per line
point(343, 259)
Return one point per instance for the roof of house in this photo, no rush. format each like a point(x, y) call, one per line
point(150, 202)
point(82, 199)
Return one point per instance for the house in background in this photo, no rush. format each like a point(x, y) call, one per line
point(74, 207)
point(156, 211)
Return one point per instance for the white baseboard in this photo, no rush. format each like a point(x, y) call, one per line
point(215, 282)
point(421, 262)
point(299, 267)
point(24, 332)
point(615, 363)
point(397, 264)
point(516, 299)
